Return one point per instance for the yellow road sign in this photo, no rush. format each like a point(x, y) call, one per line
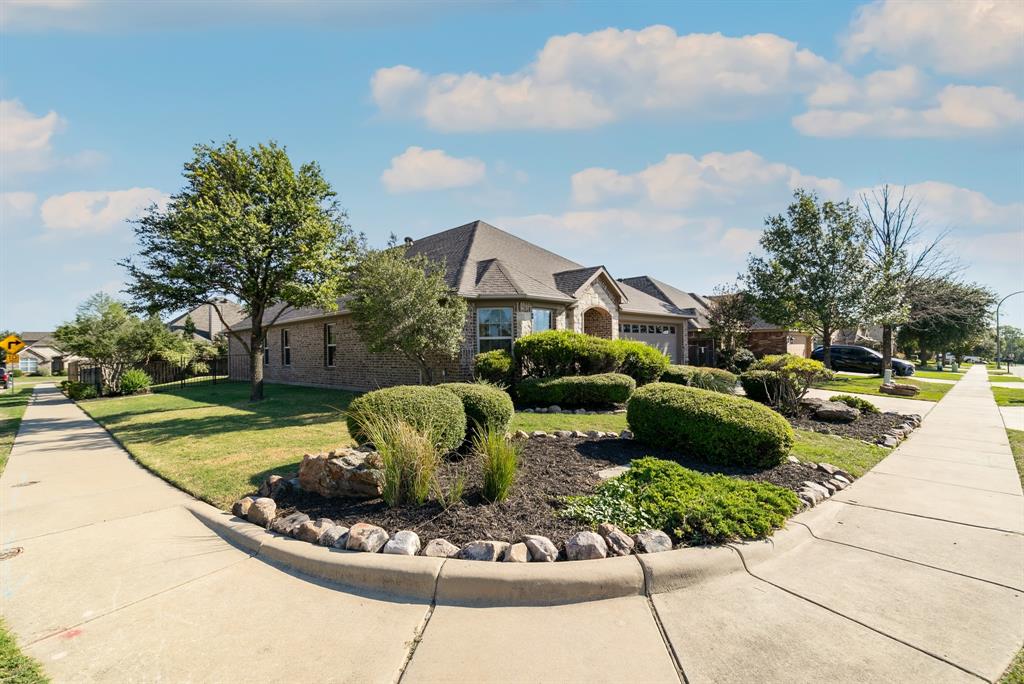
point(12, 344)
point(12, 359)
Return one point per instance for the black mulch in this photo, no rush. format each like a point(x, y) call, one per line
point(869, 427)
point(548, 469)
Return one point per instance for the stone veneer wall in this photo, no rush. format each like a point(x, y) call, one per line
point(598, 295)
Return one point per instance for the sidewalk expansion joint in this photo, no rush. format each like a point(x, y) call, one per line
point(422, 629)
point(948, 484)
point(931, 517)
point(94, 523)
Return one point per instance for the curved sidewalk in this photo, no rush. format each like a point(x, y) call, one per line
point(915, 573)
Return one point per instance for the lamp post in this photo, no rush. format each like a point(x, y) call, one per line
point(997, 324)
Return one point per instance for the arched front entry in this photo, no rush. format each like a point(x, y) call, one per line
point(597, 322)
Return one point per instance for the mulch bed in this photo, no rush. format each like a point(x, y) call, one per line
point(548, 469)
point(869, 427)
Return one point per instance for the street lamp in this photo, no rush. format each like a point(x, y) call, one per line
point(997, 323)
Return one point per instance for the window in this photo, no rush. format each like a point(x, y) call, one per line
point(286, 349)
point(543, 319)
point(266, 352)
point(494, 329)
point(330, 345)
point(28, 364)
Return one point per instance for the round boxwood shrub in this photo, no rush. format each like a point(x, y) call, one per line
point(702, 377)
point(485, 405)
point(555, 353)
point(431, 409)
point(641, 361)
point(494, 367)
point(760, 385)
point(576, 391)
point(710, 426)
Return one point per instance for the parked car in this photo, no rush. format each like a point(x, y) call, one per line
point(857, 359)
point(6, 379)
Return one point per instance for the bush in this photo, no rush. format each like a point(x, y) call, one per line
point(640, 361)
point(736, 360)
point(710, 426)
point(864, 405)
point(486, 406)
point(80, 390)
point(43, 372)
point(794, 375)
point(693, 507)
point(576, 391)
point(134, 381)
point(760, 385)
point(409, 456)
point(17, 372)
point(494, 367)
point(556, 353)
point(500, 460)
point(432, 410)
point(714, 379)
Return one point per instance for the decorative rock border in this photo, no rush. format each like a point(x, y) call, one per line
point(578, 412)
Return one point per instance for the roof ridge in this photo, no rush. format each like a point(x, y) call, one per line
point(480, 222)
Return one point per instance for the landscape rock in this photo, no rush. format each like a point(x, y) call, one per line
point(614, 471)
point(836, 412)
point(579, 434)
point(541, 548)
point(581, 412)
point(311, 530)
point(838, 484)
point(345, 472)
point(595, 434)
point(827, 468)
point(900, 390)
point(404, 543)
point(517, 553)
point(241, 507)
point(793, 459)
point(811, 403)
point(842, 477)
point(521, 434)
point(815, 496)
point(528, 410)
point(262, 511)
point(889, 442)
point(484, 550)
point(807, 498)
point(652, 541)
point(538, 433)
point(366, 537)
point(817, 487)
point(267, 488)
point(440, 548)
point(564, 434)
point(554, 409)
point(619, 543)
point(334, 536)
point(832, 489)
point(585, 545)
point(289, 524)
point(625, 434)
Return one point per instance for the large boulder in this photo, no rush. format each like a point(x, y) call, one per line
point(262, 511)
point(619, 543)
point(366, 537)
point(484, 550)
point(289, 524)
point(541, 549)
point(900, 390)
point(585, 545)
point(652, 541)
point(836, 412)
point(345, 472)
point(404, 543)
point(441, 548)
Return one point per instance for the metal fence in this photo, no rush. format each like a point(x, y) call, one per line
point(169, 375)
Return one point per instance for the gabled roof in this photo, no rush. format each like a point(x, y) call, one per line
point(30, 338)
point(688, 302)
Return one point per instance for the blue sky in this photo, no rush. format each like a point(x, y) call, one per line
point(651, 138)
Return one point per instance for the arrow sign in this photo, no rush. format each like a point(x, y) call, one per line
point(12, 344)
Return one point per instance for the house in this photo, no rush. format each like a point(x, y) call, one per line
point(513, 288)
point(208, 325)
point(40, 354)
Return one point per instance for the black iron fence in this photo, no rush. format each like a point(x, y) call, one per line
point(171, 374)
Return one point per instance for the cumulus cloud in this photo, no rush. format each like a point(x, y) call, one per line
point(419, 169)
point(89, 212)
point(954, 37)
point(944, 205)
point(585, 80)
point(25, 138)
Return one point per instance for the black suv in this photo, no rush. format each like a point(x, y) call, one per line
point(857, 359)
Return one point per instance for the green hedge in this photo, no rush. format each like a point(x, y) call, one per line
point(760, 385)
point(434, 409)
point(714, 379)
point(485, 405)
point(576, 391)
point(641, 361)
point(493, 366)
point(709, 426)
point(557, 353)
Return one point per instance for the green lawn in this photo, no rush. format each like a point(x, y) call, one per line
point(12, 408)
point(1004, 377)
point(1015, 674)
point(1008, 397)
point(935, 375)
point(16, 667)
point(549, 422)
point(930, 391)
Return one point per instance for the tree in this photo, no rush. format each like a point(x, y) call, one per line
point(730, 314)
point(188, 328)
point(108, 334)
point(814, 274)
point(250, 226)
point(947, 316)
point(404, 305)
point(900, 258)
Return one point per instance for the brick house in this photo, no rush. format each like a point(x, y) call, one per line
point(513, 288)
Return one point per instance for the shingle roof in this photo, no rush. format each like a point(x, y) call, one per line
point(687, 302)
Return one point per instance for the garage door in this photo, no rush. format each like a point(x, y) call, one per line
point(658, 335)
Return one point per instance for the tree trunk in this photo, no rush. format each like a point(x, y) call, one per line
point(256, 362)
point(826, 346)
point(886, 348)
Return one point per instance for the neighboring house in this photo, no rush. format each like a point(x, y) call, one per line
point(208, 324)
point(513, 288)
point(40, 353)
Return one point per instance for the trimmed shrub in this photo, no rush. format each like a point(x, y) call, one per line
point(43, 372)
point(736, 360)
point(494, 367)
point(433, 410)
point(709, 426)
point(864, 405)
point(500, 459)
point(134, 381)
point(640, 361)
point(795, 375)
point(576, 391)
point(693, 507)
point(714, 379)
point(486, 406)
point(556, 353)
point(17, 373)
point(760, 385)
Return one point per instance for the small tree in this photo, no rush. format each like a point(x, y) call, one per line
point(813, 275)
point(188, 328)
point(404, 305)
point(947, 316)
point(249, 225)
point(730, 315)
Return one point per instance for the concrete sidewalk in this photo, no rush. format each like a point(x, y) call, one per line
point(915, 573)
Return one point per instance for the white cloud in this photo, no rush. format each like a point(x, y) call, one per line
point(682, 180)
point(16, 205)
point(877, 88)
point(944, 205)
point(25, 138)
point(419, 169)
point(954, 37)
point(98, 211)
point(585, 80)
point(957, 110)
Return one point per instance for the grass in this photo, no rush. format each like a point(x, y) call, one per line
point(15, 666)
point(1004, 377)
point(1006, 396)
point(12, 408)
point(1015, 673)
point(549, 422)
point(935, 375)
point(852, 455)
point(930, 391)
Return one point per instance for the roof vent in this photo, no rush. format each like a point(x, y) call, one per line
point(408, 242)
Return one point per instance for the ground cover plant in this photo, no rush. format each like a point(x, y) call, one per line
point(859, 403)
point(930, 391)
point(1006, 396)
point(15, 666)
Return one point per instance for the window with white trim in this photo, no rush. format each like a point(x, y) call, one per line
point(28, 364)
point(543, 319)
point(494, 329)
point(330, 345)
point(286, 349)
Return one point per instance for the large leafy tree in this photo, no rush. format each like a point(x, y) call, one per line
point(813, 274)
point(403, 305)
point(730, 315)
point(251, 226)
point(947, 315)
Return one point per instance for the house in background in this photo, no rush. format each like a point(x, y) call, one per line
point(513, 288)
point(40, 354)
point(208, 324)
